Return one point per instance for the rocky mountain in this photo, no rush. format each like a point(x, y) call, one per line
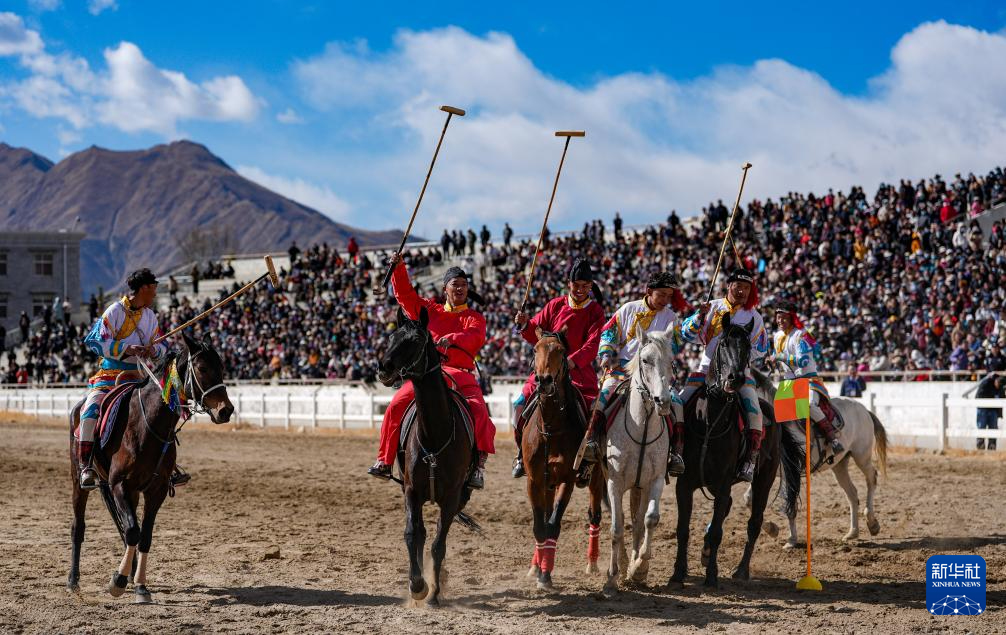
point(159, 208)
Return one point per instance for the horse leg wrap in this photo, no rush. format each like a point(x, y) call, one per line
point(536, 560)
point(593, 543)
point(547, 550)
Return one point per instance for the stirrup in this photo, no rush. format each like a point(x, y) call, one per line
point(518, 468)
point(179, 477)
point(592, 451)
point(88, 478)
point(836, 446)
point(746, 472)
point(380, 470)
point(675, 464)
point(477, 479)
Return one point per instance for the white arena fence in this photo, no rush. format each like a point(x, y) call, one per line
point(926, 415)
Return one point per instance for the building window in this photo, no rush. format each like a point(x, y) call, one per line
point(3, 308)
point(39, 302)
point(43, 264)
point(3, 263)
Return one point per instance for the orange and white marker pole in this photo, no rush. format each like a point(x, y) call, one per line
point(808, 582)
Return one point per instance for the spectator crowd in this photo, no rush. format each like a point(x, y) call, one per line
point(904, 280)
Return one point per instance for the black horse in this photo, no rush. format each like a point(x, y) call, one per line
point(713, 448)
point(437, 453)
point(140, 457)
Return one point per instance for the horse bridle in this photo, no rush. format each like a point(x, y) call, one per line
point(407, 371)
point(191, 382)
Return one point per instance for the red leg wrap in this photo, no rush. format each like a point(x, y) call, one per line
point(548, 555)
point(593, 543)
point(756, 437)
point(536, 560)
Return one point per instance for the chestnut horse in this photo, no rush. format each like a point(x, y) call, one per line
point(551, 439)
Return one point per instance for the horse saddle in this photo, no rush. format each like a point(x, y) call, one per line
point(411, 414)
point(114, 408)
point(616, 401)
point(532, 405)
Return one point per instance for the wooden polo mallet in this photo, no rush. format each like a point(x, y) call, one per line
point(726, 237)
point(451, 111)
point(569, 134)
point(270, 274)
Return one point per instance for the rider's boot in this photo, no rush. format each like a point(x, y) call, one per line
point(518, 427)
point(88, 477)
point(595, 434)
point(676, 451)
point(827, 426)
point(381, 470)
point(747, 471)
point(478, 478)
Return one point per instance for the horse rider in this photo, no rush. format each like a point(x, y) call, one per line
point(705, 326)
point(795, 349)
point(620, 341)
point(583, 318)
point(460, 332)
point(124, 332)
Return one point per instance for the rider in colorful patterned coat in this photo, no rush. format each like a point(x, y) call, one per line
point(583, 319)
point(705, 326)
point(460, 332)
point(125, 331)
point(795, 349)
point(656, 311)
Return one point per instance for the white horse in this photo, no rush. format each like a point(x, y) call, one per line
point(862, 435)
point(637, 457)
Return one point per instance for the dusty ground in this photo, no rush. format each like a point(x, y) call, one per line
point(342, 565)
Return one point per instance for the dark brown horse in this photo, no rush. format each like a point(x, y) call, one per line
point(437, 454)
point(139, 458)
point(712, 452)
point(551, 439)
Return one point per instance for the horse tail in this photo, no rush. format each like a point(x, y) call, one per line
point(793, 458)
point(469, 523)
point(880, 443)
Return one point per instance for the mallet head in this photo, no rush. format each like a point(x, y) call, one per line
point(746, 166)
point(570, 133)
point(273, 278)
point(453, 110)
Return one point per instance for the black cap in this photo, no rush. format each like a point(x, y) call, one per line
point(741, 275)
point(662, 280)
point(454, 272)
point(785, 306)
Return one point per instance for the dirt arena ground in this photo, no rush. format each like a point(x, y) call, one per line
point(282, 532)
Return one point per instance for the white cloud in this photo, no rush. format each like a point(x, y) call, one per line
point(15, 38)
point(131, 94)
point(97, 6)
point(654, 143)
point(315, 196)
point(44, 5)
point(289, 116)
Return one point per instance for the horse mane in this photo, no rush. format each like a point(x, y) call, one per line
point(657, 338)
point(557, 335)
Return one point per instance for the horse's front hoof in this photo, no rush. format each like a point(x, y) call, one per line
point(852, 535)
point(433, 602)
point(873, 526)
point(771, 529)
point(592, 567)
point(546, 586)
point(741, 574)
point(711, 584)
point(421, 593)
point(533, 572)
point(675, 584)
point(790, 545)
point(117, 585)
point(610, 590)
point(142, 595)
point(73, 587)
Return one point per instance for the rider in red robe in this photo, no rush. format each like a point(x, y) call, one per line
point(583, 318)
point(459, 332)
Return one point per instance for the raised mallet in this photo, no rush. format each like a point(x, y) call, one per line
point(451, 111)
point(726, 237)
point(270, 274)
point(569, 134)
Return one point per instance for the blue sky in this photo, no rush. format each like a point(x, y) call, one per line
point(334, 104)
